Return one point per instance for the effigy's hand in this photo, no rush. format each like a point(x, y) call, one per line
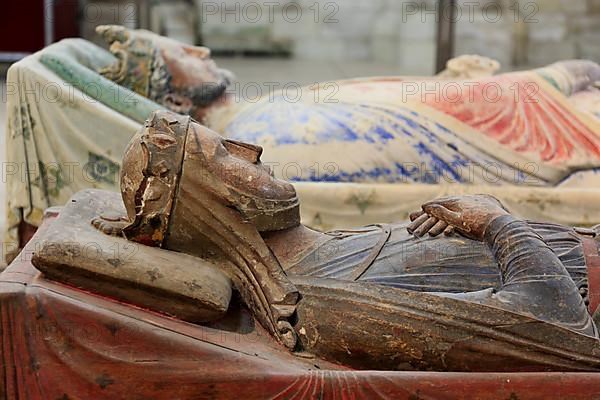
point(469, 215)
point(110, 224)
point(422, 223)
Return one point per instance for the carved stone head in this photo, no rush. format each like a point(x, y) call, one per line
point(470, 66)
point(176, 165)
point(181, 77)
point(188, 189)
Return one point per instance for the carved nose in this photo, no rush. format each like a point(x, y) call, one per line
point(227, 76)
point(248, 151)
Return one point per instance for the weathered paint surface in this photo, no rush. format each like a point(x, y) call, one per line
point(381, 143)
point(522, 112)
point(97, 348)
point(514, 126)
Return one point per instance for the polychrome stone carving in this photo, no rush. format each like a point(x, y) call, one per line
point(464, 286)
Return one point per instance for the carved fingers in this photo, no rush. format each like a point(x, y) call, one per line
point(441, 227)
point(469, 215)
point(423, 223)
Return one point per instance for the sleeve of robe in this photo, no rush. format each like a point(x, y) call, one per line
point(534, 281)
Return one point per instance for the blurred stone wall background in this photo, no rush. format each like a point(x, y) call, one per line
point(518, 33)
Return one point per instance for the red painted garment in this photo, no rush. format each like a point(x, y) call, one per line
point(523, 112)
